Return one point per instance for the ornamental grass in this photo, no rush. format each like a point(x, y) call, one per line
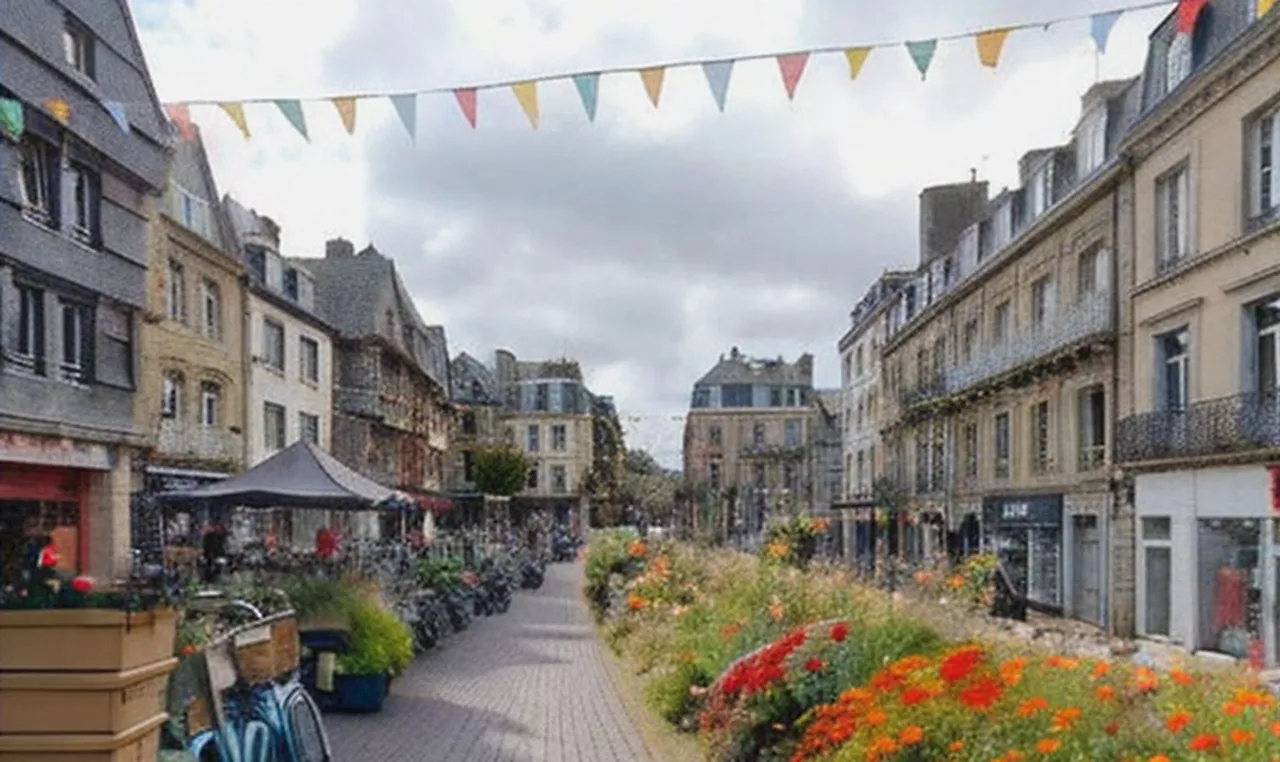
point(769, 662)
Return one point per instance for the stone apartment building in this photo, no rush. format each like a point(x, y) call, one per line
point(1199, 436)
point(78, 183)
point(1000, 367)
point(748, 439)
point(479, 421)
point(288, 369)
point(391, 411)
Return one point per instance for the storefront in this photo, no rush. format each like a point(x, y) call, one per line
point(1208, 544)
point(1026, 533)
point(155, 528)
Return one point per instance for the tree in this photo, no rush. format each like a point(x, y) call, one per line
point(648, 488)
point(888, 494)
point(500, 470)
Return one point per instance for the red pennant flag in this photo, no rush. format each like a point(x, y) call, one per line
point(180, 115)
point(467, 100)
point(1188, 12)
point(792, 67)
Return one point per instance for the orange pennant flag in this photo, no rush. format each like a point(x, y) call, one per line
point(346, 106)
point(856, 58)
point(60, 109)
point(990, 44)
point(652, 79)
point(235, 112)
point(180, 115)
point(527, 95)
point(1265, 6)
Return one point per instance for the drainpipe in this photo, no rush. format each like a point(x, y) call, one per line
point(1115, 486)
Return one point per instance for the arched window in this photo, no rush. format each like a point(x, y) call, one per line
point(171, 395)
point(210, 403)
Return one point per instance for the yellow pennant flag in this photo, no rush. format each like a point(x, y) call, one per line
point(59, 109)
point(235, 112)
point(346, 107)
point(1265, 6)
point(856, 58)
point(990, 43)
point(652, 79)
point(527, 95)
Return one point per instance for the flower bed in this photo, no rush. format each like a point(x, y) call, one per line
point(766, 662)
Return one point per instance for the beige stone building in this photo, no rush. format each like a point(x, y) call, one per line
point(999, 368)
point(1200, 432)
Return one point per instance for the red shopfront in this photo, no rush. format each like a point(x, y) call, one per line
point(48, 499)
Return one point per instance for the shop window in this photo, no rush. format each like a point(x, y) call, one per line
point(1229, 564)
point(27, 525)
point(1028, 539)
point(1157, 572)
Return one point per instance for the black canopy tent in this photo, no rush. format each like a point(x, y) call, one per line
point(299, 476)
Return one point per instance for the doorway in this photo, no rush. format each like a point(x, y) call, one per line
point(1086, 568)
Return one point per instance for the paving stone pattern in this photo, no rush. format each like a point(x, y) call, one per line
point(531, 685)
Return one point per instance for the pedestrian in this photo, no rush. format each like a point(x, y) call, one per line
point(214, 549)
point(326, 543)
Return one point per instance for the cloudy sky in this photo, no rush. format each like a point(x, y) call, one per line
point(651, 241)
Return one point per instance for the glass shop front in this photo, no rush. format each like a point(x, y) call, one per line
point(1026, 534)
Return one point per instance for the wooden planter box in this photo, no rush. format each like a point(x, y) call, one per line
point(82, 702)
point(140, 743)
point(84, 640)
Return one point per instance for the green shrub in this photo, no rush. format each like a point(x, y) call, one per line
point(380, 642)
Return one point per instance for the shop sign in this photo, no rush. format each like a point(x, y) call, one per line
point(1040, 510)
point(59, 452)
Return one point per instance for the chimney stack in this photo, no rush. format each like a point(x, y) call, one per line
point(339, 247)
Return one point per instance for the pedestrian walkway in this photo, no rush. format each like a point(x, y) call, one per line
point(530, 685)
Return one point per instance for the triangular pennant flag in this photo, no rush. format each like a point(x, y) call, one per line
point(922, 54)
point(1102, 24)
point(718, 74)
point(13, 121)
point(292, 110)
point(527, 96)
point(652, 79)
point(792, 67)
point(589, 91)
point(1265, 6)
point(117, 111)
point(235, 112)
point(60, 109)
point(346, 106)
point(990, 43)
point(1188, 13)
point(856, 58)
point(180, 117)
point(406, 106)
point(467, 102)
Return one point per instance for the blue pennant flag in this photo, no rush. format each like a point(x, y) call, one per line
point(407, 109)
point(117, 111)
point(589, 91)
point(922, 55)
point(292, 110)
point(1102, 24)
point(718, 74)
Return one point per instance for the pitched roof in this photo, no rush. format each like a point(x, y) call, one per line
point(737, 368)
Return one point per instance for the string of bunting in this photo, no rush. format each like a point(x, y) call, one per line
point(989, 45)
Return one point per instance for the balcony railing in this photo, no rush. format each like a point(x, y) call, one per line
point(1090, 316)
point(773, 451)
point(1221, 426)
point(192, 441)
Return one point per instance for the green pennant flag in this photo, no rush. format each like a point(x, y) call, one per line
point(12, 121)
point(922, 54)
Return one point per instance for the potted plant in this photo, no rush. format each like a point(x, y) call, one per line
point(381, 647)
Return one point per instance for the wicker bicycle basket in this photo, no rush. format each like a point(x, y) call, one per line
point(287, 650)
point(255, 656)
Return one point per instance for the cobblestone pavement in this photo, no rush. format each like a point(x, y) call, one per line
point(530, 685)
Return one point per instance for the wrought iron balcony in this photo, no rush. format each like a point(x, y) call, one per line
point(1090, 316)
point(1221, 426)
point(179, 440)
point(931, 387)
point(779, 451)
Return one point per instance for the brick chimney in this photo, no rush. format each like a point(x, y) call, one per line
point(339, 247)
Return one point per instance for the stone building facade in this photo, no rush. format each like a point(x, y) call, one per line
point(479, 420)
point(77, 189)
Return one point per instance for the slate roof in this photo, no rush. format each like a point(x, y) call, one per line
point(737, 368)
point(472, 381)
point(190, 170)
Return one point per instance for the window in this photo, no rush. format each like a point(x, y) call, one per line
point(1003, 446)
point(559, 479)
point(77, 48)
point(468, 466)
point(211, 306)
point(1002, 226)
point(1091, 143)
point(713, 474)
point(939, 358)
point(1266, 327)
point(308, 359)
point(469, 422)
point(969, 436)
point(559, 438)
point(715, 436)
point(273, 345)
point(1157, 572)
point(1091, 273)
point(922, 461)
point(1172, 215)
point(532, 438)
point(858, 363)
point(77, 342)
point(938, 459)
point(789, 482)
point(859, 408)
point(1174, 354)
point(542, 397)
point(861, 473)
point(757, 434)
point(273, 425)
point(1229, 556)
point(1264, 182)
point(176, 293)
point(846, 369)
point(969, 339)
point(1041, 302)
point(29, 352)
point(171, 395)
point(210, 404)
point(1000, 323)
point(1092, 406)
point(1178, 64)
point(531, 481)
point(1040, 451)
point(1041, 190)
point(758, 475)
point(113, 354)
point(290, 286)
point(309, 428)
point(38, 178)
point(191, 211)
point(794, 431)
point(86, 203)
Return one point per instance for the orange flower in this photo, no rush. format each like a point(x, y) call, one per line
point(876, 717)
point(637, 549)
point(883, 745)
point(1032, 706)
point(775, 609)
point(1011, 671)
point(915, 695)
point(1105, 693)
point(1180, 677)
point(1048, 745)
point(1241, 737)
point(1205, 742)
point(1232, 708)
point(911, 734)
point(956, 582)
point(1101, 669)
point(1063, 719)
point(909, 665)
point(1160, 758)
point(1061, 662)
point(1275, 728)
point(1146, 679)
point(982, 694)
point(635, 602)
point(955, 746)
point(1112, 728)
point(1178, 721)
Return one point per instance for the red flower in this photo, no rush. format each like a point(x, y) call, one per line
point(815, 665)
point(915, 695)
point(49, 556)
point(982, 694)
point(82, 584)
point(839, 631)
point(961, 663)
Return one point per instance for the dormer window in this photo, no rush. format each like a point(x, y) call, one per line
point(77, 47)
point(1041, 190)
point(1091, 142)
point(291, 283)
point(1177, 65)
